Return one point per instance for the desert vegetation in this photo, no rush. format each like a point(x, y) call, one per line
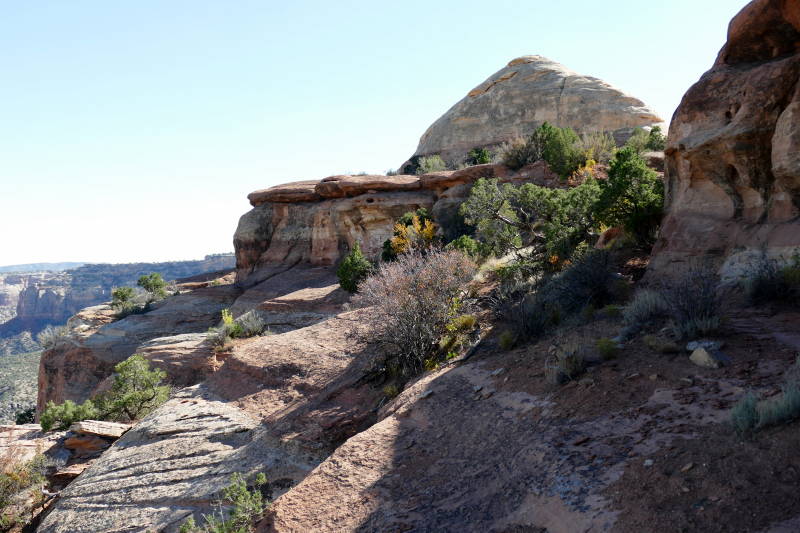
point(246, 507)
point(414, 299)
point(136, 391)
point(21, 487)
point(133, 301)
point(249, 324)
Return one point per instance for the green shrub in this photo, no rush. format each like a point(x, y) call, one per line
point(391, 391)
point(744, 415)
point(64, 415)
point(507, 339)
point(25, 416)
point(248, 508)
point(478, 156)
point(353, 270)
point(465, 244)
point(154, 285)
point(612, 311)
point(433, 163)
point(135, 392)
point(560, 150)
point(646, 305)
point(660, 345)
point(586, 281)
point(607, 348)
point(551, 221)
point(464, 322)
point(781, 409)
point(122, 295)
point(656, 142)
point(638, 141)
point(631, 198)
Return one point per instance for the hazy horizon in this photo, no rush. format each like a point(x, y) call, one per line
point(134, 132)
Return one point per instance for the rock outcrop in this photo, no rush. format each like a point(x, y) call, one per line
point(732, 163)
point(80, 361)
point(530, 90)
point(317, 223)
point(280, 405)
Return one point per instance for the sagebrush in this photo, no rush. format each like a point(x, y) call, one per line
point(413, 300)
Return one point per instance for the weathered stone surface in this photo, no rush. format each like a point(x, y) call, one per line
point(701, 357)
point(732, 169)
point(298, 191)
point(280, 405)
point(518, 98)
point(187, 359)
point(296, 298)
point(86, 442)
point(101, 428)
point(274, 236)
point(349, 186)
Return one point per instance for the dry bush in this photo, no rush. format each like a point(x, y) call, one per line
point(413, 300)
point(506, 340)
point(646, 305)
point(773, 280)
point(599, 144)
point(521, 152)
point(49, 335)
point(588, 281)
point(528, 308)
point(695, 301)
point(570, 360)
point(252, 323)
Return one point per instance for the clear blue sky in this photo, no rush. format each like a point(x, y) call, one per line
point(133, 131)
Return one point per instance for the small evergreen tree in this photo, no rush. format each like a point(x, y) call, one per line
point(633, 198)
point(353, 270)
point(154, 286)
point(478, 156)
point(135, 392)
point(122, 295)
point(560, 149)
point(656, 142)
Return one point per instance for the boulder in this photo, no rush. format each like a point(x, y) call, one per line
point(732, 166)
point(518, 98)
point(701, 357)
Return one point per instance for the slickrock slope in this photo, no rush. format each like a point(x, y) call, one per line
point(518, 98)
point(280, 405)
point(732, 163)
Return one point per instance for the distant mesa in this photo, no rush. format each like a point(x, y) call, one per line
point(39, 267)
point(530, 90)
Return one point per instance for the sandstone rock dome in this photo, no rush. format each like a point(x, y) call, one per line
point(518, 98)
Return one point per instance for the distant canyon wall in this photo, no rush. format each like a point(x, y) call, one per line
point(38, 298)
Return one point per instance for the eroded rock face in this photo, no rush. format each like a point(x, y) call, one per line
point(732, 164)
point(288, 225)
point(280, 405)
point(80, 361)
point(518, 98)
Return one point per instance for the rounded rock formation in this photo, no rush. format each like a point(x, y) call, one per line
point(530, 90)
